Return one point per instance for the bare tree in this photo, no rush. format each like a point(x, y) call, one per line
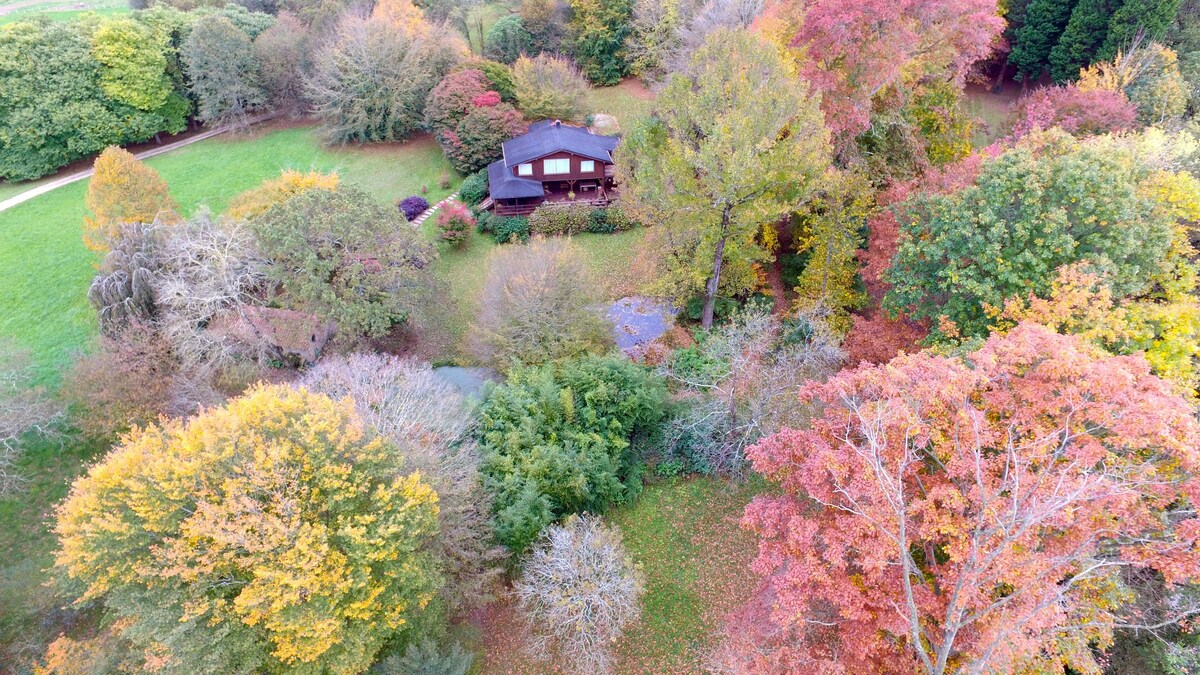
point(431, 423)
point(211, 269)
point(578, 592)
point(24, 410)
point(744, 385)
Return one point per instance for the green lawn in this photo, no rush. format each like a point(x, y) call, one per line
point(992, 112)
point(686, 536)
point(59, 10)
point(45, 269)
point(626, 101)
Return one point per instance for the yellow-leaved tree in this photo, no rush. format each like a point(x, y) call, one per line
point(273, 534)
point(123, 190)
point(290, 183)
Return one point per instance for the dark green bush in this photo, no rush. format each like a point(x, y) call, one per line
point(721, 310)
point(556, 440)
point(474, 188)
point(507, 228)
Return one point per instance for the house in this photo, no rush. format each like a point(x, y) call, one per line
point(552, 162)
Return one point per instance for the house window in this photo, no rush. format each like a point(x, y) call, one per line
point(556, 166)
point(525, 169)
point(587, 166)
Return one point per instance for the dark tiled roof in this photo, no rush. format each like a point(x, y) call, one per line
point(502, 184)
point(548, 137)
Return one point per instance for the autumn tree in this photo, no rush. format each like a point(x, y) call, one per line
point(370, 81)
point(856, 51)
point(282, 53)
point(453, 96)
point(269, 534)
point(548, 87)
point(224, 74)
point(598, 30)
point(1077, 110)
point(274, 191)
point(122, 190)
point(478, 138)
point(135, 63)
point(976, 513)
point(736, 143)
point(344, 257)
point(1032, 210)
point(430, 424)
point(537, 305)
point(830, 233)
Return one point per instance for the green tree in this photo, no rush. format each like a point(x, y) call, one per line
point(53, 109)
point(270, 535)
point(1044, 24)
point(598, 30)
point(135, 62)
point(507, 39)
point(1151, 18)
point(1049, 202)
point(556, 440)
point(1082, 38)
point(341, 255)
point(549, 88)
point(831, 233)
point(224, 74)
point(736, 143)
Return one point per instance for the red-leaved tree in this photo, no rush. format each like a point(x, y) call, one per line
point(1081, 112)
point(857, 49)
point(976, 514)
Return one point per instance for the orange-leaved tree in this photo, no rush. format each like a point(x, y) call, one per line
point(123, 190)
point(984, 513)
point(271, 534)
point(259, 200)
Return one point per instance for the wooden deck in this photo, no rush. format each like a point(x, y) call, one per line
point(590, 199)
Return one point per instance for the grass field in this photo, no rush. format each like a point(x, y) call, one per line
point(58, 10)
point(685, 535)
point(626, 101)
point(46, 270)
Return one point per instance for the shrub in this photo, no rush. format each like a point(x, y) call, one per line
point(537, 305)
point(24, 410)
point(508, 229)
point(426, 658)
point(347, 259)
point(239, 537)
point(1079, 112)
point(430, 424)
point(454, 223)
point(413, 206)
point(124, 382)
point(556, 440)
point(552, 220)
point(578, 591)
point(507, 40)
point(549, 88)
point(474, 188)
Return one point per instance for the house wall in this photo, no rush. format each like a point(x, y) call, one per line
point(576, 174)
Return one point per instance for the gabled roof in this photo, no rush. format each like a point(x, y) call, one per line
point(548, 137)
point(502, 184)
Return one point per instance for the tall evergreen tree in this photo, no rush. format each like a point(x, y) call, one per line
point(1081, 40)
point(1044, 24)
point(1152, 16)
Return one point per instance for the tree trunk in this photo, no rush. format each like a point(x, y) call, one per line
point(1000, 77)
point(710, 289)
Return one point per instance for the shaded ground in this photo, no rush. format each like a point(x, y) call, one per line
point(992, 111)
